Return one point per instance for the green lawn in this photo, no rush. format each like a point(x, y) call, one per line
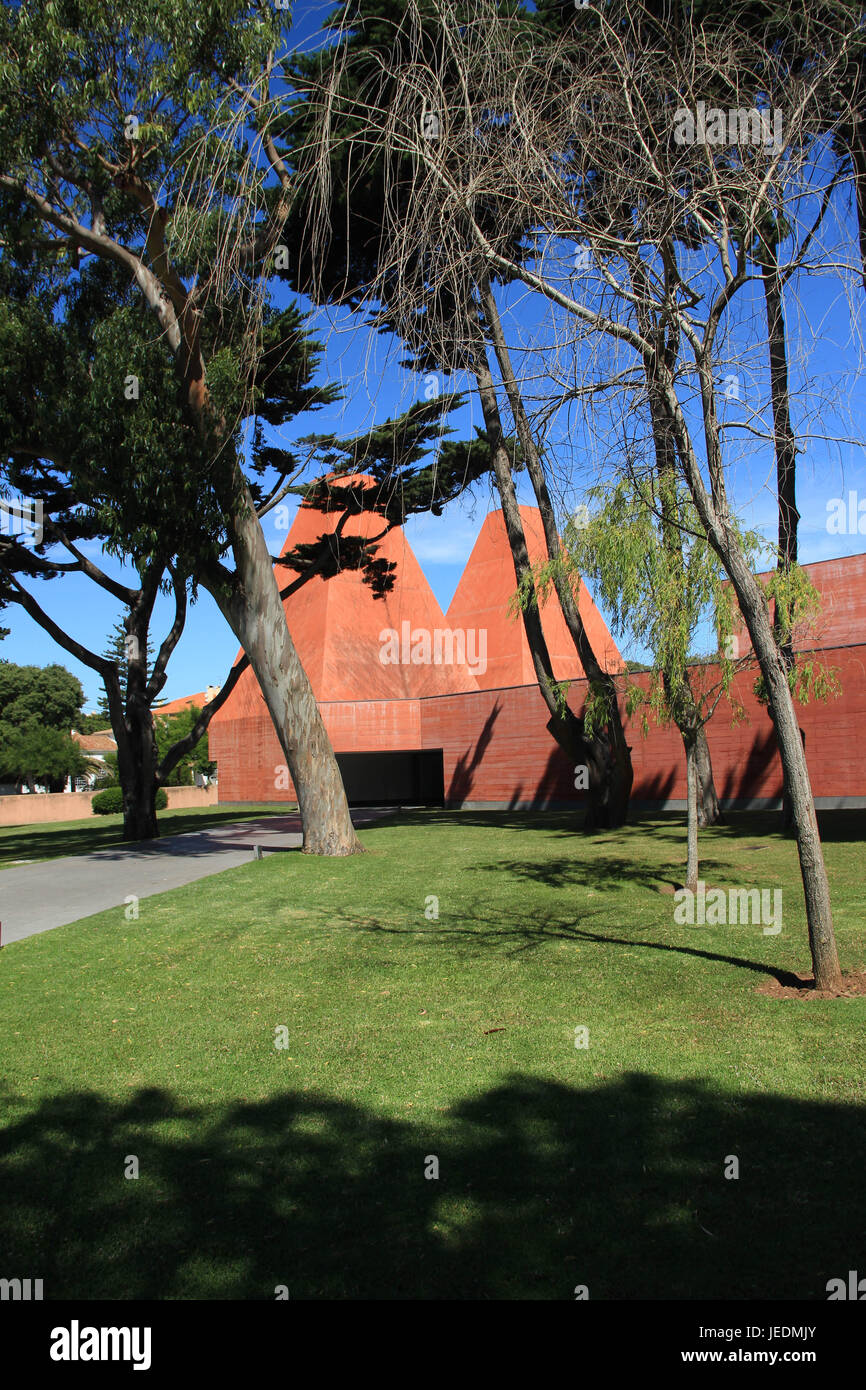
point(26, 843)
point(454, 1038)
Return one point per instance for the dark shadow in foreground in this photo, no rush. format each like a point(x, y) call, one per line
point(541, 1188)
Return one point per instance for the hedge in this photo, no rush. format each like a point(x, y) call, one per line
point(110, 801)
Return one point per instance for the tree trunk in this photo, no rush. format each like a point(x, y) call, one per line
point(564, 726)
point(139, 783)
point(692, 814)
point(714, 514)
point(709, 810)
point(797, 786)
point(786, 452)
point(612, 754)
point(857, 146)
point(136, 770)
point(687, 717)
point(250, 599)
point(684, 710)
point(136, 751)
point(139, 806)
point(256, 615)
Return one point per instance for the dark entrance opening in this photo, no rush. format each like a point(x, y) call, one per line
point(411, 777)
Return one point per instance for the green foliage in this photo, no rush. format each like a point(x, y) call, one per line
point(385, 472)
point(35, 753)
point(798, 610)
point(596, 710)
point(641, 544)
point(91, 723)
point(110, 801)
point(126, 461)
point(169, 730)
point(74, 337)
point(49, 694)
point(798, 603)
point(106, 772)
point(115, 650)
point(815, 681)
point(39, 706)
point(807, 680)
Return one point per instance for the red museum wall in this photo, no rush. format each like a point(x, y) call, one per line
point(496, 747)
point(491, 722)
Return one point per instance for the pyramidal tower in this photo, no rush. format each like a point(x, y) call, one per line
point(482, 601)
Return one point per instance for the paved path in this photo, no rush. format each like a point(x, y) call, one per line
point(37, 897)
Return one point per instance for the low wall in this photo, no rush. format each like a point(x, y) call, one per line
point(35, 808)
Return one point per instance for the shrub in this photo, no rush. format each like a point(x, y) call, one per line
point(110, 801)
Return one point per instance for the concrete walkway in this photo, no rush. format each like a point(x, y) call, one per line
point(38, 897)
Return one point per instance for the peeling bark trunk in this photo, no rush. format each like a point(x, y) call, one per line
point(608, 757)
point(714, 513)
point(564, 725)
point(250, 599)
point(256, 615)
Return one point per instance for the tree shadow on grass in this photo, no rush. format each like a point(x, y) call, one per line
point(91, 835)
point(541, 1187)
point(482, 932)
point(601, 871)
point(607, 871)
point(659, 826)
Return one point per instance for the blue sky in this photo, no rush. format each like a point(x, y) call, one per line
point(375, 388)
point(821, 321)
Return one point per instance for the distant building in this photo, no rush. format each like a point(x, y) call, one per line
point(95, 746)
point(185, 701)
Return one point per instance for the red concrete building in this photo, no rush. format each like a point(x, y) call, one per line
point(423, 706)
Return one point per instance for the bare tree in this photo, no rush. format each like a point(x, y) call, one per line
point(428, 284)
point(533, 120)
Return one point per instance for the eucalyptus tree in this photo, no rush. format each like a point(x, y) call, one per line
point(632, 105)
point(435, 295)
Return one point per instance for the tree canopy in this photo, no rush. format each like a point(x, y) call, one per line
point(39, 708)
